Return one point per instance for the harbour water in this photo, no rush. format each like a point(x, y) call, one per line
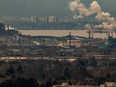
point(61, 33)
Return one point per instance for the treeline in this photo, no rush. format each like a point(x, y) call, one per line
point(46, 72)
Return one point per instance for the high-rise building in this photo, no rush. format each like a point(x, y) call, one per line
point(52, 19)
point(33, 19)
point(43, 19)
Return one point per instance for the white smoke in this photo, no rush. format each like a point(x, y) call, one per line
point(88, 27)
point(108, 22)
point(98, 26)
point(74, 5)
point(95, 7)
point(103, 16)
point(104, 25)
point(77, 6)
point(75, 16)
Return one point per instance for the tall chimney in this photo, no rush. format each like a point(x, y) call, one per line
point(70, 39)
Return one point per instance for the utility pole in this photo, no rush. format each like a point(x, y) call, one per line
point(63, 42)
point(70, 39)
point(19, 41)
point(7, 34)
point(44, 43)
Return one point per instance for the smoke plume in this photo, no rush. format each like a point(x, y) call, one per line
point(77, 6)
point(95, 7)
point(81, 11)
point(88, 27)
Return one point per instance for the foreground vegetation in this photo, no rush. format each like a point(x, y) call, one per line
point(51, 72)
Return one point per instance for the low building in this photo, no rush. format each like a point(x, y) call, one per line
point(75, 43)
point(110, 84)
point(66, 85)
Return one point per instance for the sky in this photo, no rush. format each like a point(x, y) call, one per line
point(47, 7)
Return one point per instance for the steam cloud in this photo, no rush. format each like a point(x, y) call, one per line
point(81, 11)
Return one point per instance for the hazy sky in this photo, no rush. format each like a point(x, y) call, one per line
point(47, 7)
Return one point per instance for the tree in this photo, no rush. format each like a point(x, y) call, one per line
point(82, 62)
point(43, 76)
point(32, 82)
point(20, 69)
point(92, 62)
point(67, 73)
point(48, 83)
point(10, 71)
point(20, 82)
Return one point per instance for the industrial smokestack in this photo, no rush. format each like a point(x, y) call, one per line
point(8, 27)
point(80, 11)
point(70, 39)
point(44, 42)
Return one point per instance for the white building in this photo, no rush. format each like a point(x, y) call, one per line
point(66, 85)
point(75, 43)
point(110, 84)
point(33, 19)
point(52, 19)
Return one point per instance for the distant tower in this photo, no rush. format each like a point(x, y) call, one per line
point(52, 19)
point(33, 19)
point(44, 43)
point(8, 27)
point(20, 40)
point(70, 39)
point(90, 33)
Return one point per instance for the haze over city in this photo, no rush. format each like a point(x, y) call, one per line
point(47, 7)
point(57, 43)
